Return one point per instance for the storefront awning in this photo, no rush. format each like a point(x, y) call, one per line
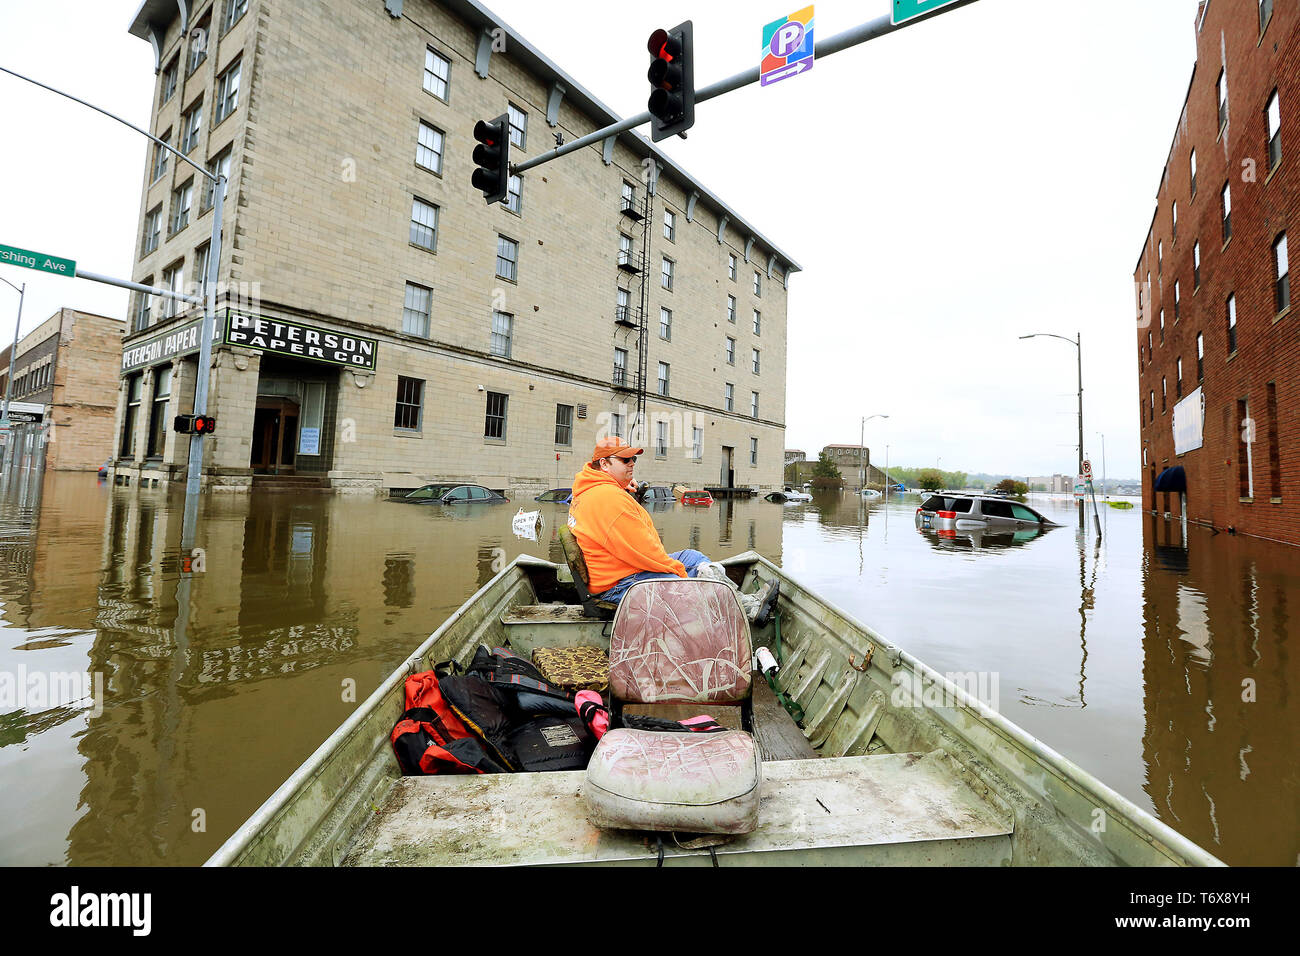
point(1172, 479)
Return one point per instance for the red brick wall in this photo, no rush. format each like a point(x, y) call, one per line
point(1268, 345)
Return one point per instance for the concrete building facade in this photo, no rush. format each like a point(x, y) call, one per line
point(65, 378)
point(1218, 344)
point(382, 327)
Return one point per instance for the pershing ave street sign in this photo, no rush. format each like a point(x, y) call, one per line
point(13, 256)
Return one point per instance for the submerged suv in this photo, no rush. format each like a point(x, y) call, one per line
point(943, 511)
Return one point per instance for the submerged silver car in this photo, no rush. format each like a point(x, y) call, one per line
point(944, 511)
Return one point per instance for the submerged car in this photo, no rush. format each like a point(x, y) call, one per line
point(789, 496)
point(697, 497)
point(954, 512)
point(658, 494)
point(559, 495)
point(452, 494)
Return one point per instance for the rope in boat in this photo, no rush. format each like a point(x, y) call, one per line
point(792, 707)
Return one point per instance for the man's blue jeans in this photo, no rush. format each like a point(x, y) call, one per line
point(691, 559)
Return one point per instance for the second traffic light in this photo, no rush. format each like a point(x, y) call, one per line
point(672, 81)
point(492, 156)
point(194, 425)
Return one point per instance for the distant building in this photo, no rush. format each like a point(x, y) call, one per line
point(65, 388)
point(794, 454)
point(1053, 484)
point(1217, 335)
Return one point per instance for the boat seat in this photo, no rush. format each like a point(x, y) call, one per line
point(591, 606)
point(677, 641)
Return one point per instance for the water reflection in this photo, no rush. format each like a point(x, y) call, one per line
point(1158, 664)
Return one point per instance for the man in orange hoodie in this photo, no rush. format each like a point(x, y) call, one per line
point(619, 541)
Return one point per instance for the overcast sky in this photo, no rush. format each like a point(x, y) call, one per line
point(1001, 177)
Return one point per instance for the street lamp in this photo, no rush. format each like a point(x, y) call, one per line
point(862, 452)
point(1076, 342)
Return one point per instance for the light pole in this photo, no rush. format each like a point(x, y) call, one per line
point(1104, 488)
point(13, 354)
point(862, 451)
point(1077, 343)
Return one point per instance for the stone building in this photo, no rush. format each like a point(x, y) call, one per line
point(380, 325)
point(1218, 344)
point(65, 383)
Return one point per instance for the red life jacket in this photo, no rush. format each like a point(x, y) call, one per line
point(430, 738)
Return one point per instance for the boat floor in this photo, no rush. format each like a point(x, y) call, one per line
point(885, 809)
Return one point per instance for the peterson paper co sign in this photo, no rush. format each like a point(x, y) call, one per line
point(298, 340)
point(1189, 422)
point(171, 344)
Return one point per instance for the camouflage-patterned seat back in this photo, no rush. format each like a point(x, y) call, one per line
point(574, 668)
point(573, 555)
point(680, 639)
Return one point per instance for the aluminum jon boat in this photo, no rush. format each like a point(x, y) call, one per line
point(891, 764)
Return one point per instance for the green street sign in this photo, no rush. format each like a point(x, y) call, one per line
point(904, 10)
point(13, 256)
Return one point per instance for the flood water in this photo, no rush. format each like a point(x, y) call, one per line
point(1157, 664)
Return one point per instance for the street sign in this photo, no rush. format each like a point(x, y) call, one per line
point(904, 10)
point(1087, 469)
point(12, 255)
point(788, 47)
point(1080, 487)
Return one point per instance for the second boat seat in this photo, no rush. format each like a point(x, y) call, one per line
point(591, 606)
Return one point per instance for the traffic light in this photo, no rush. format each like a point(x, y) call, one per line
point(194, 425)
point(492, 156)
point(672, 81)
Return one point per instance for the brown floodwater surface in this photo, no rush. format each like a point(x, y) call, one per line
point(1161, 666)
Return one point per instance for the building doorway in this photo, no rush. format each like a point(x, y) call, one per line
point(275, 435)
point(728, 477)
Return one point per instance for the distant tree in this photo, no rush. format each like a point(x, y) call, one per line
point(1010, 486)
point(931, 479)
point(825, 468)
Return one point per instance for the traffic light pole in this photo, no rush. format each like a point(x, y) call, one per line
point(841, 41)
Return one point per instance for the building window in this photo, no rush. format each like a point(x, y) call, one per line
point(623, 306)
point(1232, 324)
point(731, 309)
point(1274, 118)
point(625, 255)
point(127, 448)
point(202, 255)
point(143, 305)
point(755, 354)
point(729, 397)
point(198, 44)
point(191, 126)
point(437, 73)
point(1160, 256)
point(1196, 265)
point(173, 279)
point(1162, 326)
point(753, 404)
point(731, 266)
point(1282, 282)
point(169, 80)
point(663, 378)
point(1221, 85)
point(415, 312)
point(1274, 449)
point(507, 258)
point(616, 425)
point(1225, 200)
point(227, 93)
point(152, 229)
point(665, 324)
point(758, 284)
point(670, 225)
point(518, 125)
point(160, 155)
point(1200, 358)
point(564, 425)
point(1178, 378)
point(620, 367)
point(661, 439)
point(515, 195)
point(1164, 395)
point(628, 201)
point(1176, 298)
point(428, 148)
point(410, 403)
point(697, 443)
point(731, 351)
point(235, 9)
point(667, 280)
point(1265, 14)
point(1193, 165)
point(494, 422)
point(502, 323)
point(753, 451)
point(758, 322)
point(1150, 354)
point(1173, 233)
point(1245, 457)
point(424, 224)
point(218, 167)
point(1152, 404)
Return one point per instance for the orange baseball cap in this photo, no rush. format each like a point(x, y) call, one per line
point(609, 447)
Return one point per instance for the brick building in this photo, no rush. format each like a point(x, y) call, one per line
point(67, 368)
point(1218, 344)
point(386, 327)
